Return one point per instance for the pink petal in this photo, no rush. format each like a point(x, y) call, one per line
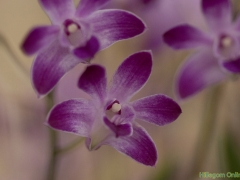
point(111, 26)
point(138, 146)
point(233, 66)
point(39, 38)
point(58, 10)
point(50, 66)
point(73, 116)
point(87, 7)
point(131, 76)
point(93, 81)
point(186, 36)
point(218, 13)
point(198, 72)
point(157, 109)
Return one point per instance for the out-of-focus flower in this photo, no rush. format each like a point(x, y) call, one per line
point(110, 111)
point(133, 5)
point(218, 51)
point(75, 35)
point(161, 15)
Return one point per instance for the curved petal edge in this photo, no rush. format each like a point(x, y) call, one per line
point(139, 146)
point(198, 72)
point(157, 109)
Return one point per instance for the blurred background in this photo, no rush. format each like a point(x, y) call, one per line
point(24, 139)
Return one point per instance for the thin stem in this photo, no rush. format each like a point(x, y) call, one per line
point(206, 132)
point(14, 57)
point(70, 146)
point(53, 142)
point(53, 160)
point(55, 150)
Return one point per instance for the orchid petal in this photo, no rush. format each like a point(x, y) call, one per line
point(58, 10)
point(49, 67)
point(237, 23)
point(87, 7)
point(39, 38)
point(218, 13)
point(232, 66)
point(201, 70)
point(111, 26)
point(93, 81)
point(157, 109)
point(73, 116)
point(131, 76)
point(138, 146)
point(186, 36)
point(119, 130)
point(89, 50)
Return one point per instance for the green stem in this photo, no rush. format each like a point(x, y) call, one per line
point(206, 132)
point(53, 160)
point(53, 142)
point(55, 151)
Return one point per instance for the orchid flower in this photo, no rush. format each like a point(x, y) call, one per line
point(74, 37)
point(161, 15)
point(218, 51)
point(110, 112)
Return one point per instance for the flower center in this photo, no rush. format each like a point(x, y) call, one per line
point(226, 42)
point(73, 32)
point(227, 47)
point(72, 28)
point(116, 107)
point(113, 109)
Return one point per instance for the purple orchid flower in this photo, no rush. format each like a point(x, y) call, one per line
point(160, 16)
point(74, 37)
point(219, 50)
point(110, 111)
